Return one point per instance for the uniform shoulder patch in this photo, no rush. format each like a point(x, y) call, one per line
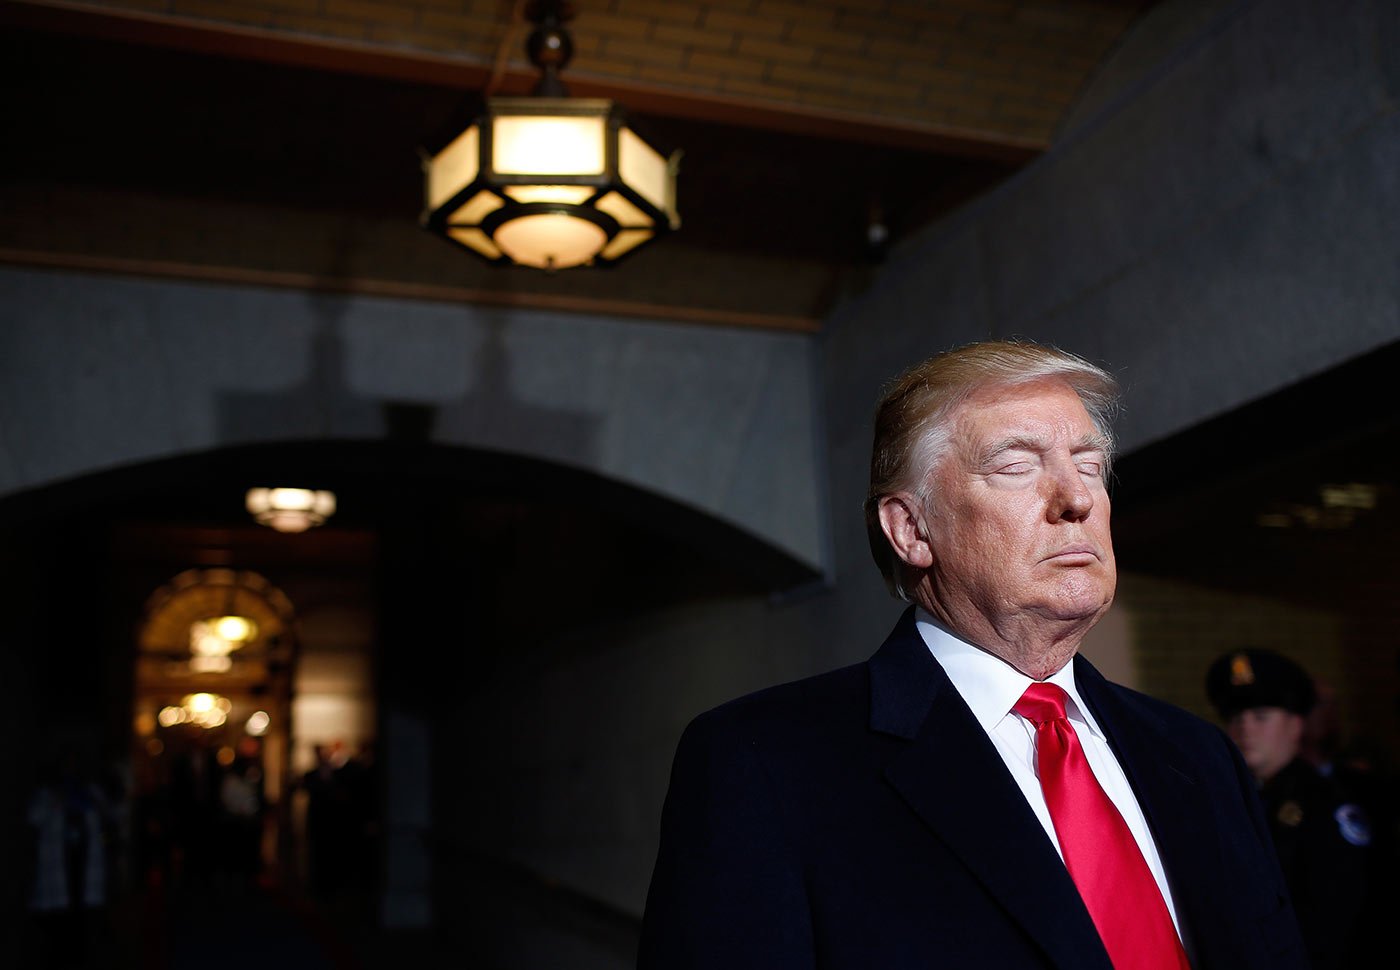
point(1353, 825)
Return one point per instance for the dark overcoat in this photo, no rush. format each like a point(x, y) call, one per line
point(862, 820)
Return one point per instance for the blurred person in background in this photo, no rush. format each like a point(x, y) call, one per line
point(70, 817)
point(1323, 837)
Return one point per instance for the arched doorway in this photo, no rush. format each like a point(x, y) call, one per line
point(212, 700)
point(448, 582)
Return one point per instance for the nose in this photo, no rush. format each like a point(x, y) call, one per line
point(1071, 499)
point(1242, 728)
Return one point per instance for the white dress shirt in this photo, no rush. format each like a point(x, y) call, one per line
point(991, 687)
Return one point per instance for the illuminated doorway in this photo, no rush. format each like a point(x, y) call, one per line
point(212, 706)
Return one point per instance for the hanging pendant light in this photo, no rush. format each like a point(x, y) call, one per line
point(290, 509)
point(550, 181)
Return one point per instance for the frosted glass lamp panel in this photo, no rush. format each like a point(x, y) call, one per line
point(624, 241)
point(644, 169)
point(566, 194)
point(532, 145)
point(550, 241)
point(626, 214)
point(477, 240)
point(454, 168)
point(478, 207)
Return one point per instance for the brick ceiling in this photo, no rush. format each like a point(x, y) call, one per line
point(274, 140)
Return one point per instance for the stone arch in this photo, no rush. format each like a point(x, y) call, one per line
point(103, 372)
point(379, 481)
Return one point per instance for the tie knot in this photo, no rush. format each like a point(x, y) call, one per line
point(1041, 703)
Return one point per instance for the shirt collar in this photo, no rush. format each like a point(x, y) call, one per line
point(991, 686)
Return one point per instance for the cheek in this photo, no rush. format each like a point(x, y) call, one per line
point(992, 531)
point(1012, 524)
point(996, 544)
point(1284, 734)
point(1099, 523)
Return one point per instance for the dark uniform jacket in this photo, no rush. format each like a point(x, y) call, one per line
point(1323, 846)
point(863, 820)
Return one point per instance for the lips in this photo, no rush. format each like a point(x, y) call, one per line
point(1080, 553)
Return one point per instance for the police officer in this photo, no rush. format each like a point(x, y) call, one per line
point(1322, 838)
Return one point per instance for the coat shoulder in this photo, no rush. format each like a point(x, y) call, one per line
point(796, 707)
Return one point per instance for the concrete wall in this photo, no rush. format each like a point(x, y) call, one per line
point(1227, 227)
point(98, 372)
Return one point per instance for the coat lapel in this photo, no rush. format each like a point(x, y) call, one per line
point(1175, 802)
point(952, 777)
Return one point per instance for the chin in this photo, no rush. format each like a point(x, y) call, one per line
point(1080, 599)
point(1085, 608)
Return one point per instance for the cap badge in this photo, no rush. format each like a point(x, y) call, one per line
point(1241, 671)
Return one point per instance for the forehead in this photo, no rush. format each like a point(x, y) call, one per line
point(1264, 712)
point(1044, 409)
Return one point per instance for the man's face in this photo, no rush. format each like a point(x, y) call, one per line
point(1018, 526)
point(1268, 738)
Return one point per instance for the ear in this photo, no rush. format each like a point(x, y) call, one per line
point(903, 528)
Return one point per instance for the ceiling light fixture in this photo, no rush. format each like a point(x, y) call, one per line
point(212, 641)
point(290, 509)
point(550, 181)
point(205, 710)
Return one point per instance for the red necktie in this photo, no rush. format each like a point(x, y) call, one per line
point(1100, 852)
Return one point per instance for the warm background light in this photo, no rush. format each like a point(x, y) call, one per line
point(220, 636)
point(204, 709)
point(235, 629)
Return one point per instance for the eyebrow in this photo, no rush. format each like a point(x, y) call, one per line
point(1037, 443)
